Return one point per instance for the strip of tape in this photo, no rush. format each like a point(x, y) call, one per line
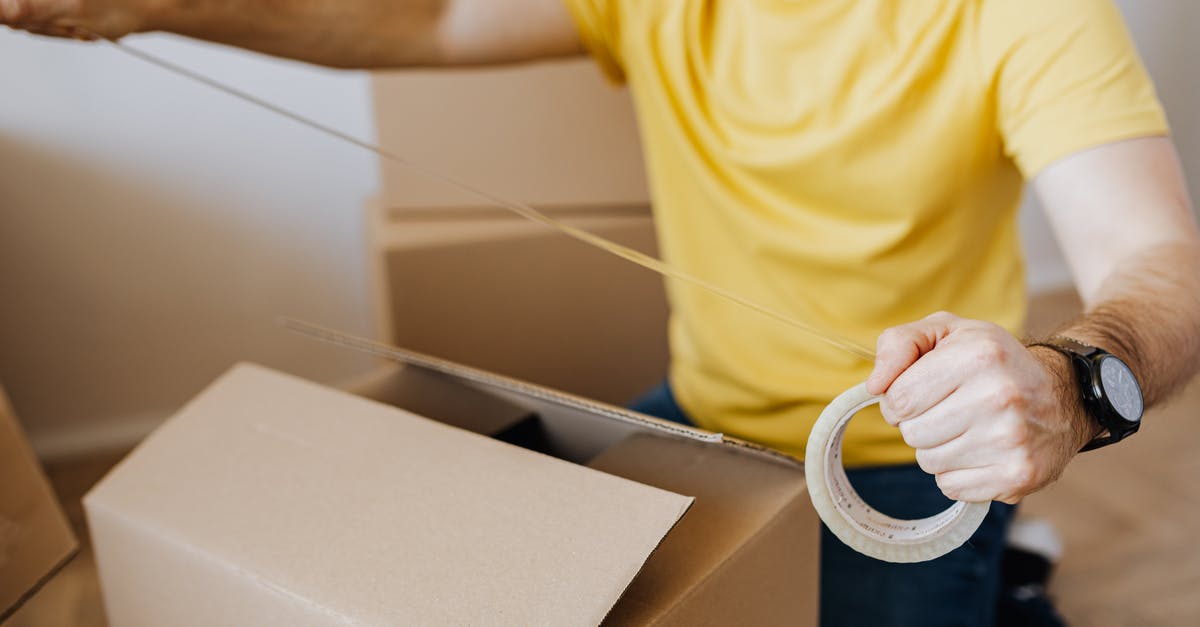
point(856, 523)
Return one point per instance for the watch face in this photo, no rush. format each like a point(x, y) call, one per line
point(1121, 388)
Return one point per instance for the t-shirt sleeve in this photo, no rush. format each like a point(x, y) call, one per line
point(599, 24)
point(1067, 77)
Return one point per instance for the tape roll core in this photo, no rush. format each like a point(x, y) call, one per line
point(855, 522)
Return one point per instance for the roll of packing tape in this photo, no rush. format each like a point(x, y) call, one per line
point(856, 523)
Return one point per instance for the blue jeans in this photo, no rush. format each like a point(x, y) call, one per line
point(959, 588)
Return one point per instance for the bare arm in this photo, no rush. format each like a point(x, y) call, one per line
point(997, 421)
point(337, 33)
point(1122, 216)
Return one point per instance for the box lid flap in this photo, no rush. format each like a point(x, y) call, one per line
point(381, 516)
point(526, 394)
point(35, 539)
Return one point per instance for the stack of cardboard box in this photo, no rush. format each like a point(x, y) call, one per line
point(462, 279)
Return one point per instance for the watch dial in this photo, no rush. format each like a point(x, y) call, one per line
point(1121, 388)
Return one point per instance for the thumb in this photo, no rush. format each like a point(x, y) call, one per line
point(900, 347)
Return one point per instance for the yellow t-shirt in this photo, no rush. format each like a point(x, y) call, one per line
point(855, 163)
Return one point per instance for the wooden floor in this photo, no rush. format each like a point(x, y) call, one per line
point(1129, 516)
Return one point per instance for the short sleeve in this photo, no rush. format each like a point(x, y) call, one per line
point(1067, 77)
point(599, 25)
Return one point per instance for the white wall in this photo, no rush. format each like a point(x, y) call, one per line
point(1168, 35)
point(151, 229)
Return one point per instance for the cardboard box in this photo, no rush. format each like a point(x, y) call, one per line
point(509, 296)
point(544, 133)
point(460, 279)
point(35, 539)
point(448, 495)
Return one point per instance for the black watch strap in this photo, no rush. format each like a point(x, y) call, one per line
point(1079, 355)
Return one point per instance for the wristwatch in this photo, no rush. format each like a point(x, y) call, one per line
point(1111, 394)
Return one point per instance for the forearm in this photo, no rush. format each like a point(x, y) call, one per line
point(1148, 314)
point(338, 33)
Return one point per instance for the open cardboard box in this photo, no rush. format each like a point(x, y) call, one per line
point(35, 539)
point(440, 494)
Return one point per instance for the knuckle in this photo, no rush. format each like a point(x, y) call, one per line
point(898, 403)
point(1008, 395)
point(985, 326)
point(940, 316)
point(929, 462)
point(991, 351)
point(894, 336)
point(1021, 474)
point(948, 488)
point(1014, 434)
point(889, 333)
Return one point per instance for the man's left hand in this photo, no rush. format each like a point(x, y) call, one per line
point(990, 418)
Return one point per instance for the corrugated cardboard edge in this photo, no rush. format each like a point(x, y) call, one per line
point(743, 571)
point(705, 585)
point(474, 375)
point(6, 613)
point(642, 566)
point(24, 598)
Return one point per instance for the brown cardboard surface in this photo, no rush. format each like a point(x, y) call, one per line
point(35, 539)
point(521, 300)
point(551, 132)
point(744, 554)
point(270, 500)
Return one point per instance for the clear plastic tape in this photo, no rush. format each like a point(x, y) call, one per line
point(856, 523)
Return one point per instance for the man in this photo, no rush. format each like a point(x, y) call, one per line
point(857, 163)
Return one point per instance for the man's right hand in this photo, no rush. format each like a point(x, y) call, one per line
point(77, 19)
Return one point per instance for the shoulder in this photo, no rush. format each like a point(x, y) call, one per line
point(1003, 24)
point(1018, 12)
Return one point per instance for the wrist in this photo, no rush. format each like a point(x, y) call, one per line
point(1067, 394)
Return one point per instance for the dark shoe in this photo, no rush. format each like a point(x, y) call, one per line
point(1033, 550)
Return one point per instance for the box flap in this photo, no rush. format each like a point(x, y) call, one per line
point(35, 539)
point(737, 500)
point(528, 395)
point(380, 516)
